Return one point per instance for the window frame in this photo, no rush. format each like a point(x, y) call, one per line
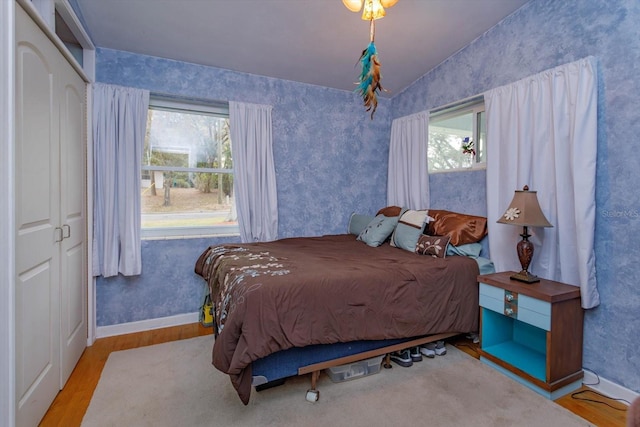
point(476, 107)
point(217, 109)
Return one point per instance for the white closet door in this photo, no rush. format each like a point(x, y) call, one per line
point(37, 219)
point(51, 260)
point(73, 282)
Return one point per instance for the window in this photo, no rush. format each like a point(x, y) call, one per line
point(449, 129)
point(187, 171)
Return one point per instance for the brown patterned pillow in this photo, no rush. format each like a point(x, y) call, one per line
point(436, 246)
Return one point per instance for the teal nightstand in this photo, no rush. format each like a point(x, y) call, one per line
point(532, 332)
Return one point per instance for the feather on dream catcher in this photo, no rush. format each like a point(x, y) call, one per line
point(369, 79)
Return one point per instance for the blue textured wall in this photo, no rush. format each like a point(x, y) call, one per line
point(330, 160)
point(167, 286)
point(541, 35)
point(459, 191)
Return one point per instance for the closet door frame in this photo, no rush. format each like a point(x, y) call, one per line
point(71, 237)
point(7, 197)
point(7, 218)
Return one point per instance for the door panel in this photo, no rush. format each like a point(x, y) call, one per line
point(73, 283)
point(37, 216)
point(35, 318)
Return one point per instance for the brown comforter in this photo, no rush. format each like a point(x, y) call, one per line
point(321, 290)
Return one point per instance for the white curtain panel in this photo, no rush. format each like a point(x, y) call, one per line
point(254, 171)
point(119, 124)
point(542, 132)
point(408, 178)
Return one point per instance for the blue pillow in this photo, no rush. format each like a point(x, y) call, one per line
point(409, 229)
point(468, 249)
point(358, 222)
point(378, 230)
point(485, 247)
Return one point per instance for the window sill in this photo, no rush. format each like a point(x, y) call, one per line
point(189, 232)
point(477, 167)
point(188, 236)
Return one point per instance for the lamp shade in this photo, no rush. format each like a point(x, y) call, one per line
point(353, 5)
point(524, 210)
point(388, 3)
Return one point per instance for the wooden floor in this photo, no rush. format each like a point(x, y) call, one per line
point(71, 403)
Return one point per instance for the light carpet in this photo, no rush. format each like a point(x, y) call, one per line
point(174, 384)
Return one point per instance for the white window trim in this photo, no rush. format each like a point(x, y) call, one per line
point(159, 101)
point(473, 105)
point(162, 102)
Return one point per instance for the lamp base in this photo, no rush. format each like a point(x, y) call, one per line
point(525, 254)
point(525, 276)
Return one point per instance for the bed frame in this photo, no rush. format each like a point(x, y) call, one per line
point(274, 369)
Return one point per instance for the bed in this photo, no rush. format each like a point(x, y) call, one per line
point(296, 305)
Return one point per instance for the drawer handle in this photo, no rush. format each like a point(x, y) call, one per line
point(510, 296)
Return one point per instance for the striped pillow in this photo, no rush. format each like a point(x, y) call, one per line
point(410, 226)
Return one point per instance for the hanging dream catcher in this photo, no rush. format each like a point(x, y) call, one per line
point(369, 79)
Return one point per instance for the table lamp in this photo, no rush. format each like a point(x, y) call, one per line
point(525, 211)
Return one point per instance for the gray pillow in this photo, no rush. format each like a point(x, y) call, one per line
point(358, 222)
point(378, 230)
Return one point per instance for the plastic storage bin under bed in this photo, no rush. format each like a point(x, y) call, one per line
point(355, 370)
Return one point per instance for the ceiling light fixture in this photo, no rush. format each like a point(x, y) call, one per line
point(373, 9)
point(369, 79)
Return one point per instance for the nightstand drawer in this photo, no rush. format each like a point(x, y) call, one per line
point(491, 291)
point(535, 312)
point(525, 309)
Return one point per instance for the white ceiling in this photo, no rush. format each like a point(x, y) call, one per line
point(310, 41)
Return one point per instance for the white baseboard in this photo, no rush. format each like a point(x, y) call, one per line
point(608, 388)
point(146, 325)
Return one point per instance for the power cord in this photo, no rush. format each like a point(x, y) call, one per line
point(576, 394)
point(586, 399)
point(594, 373)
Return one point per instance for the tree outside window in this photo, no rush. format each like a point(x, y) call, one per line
point(187, 172)
point(450, 131)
